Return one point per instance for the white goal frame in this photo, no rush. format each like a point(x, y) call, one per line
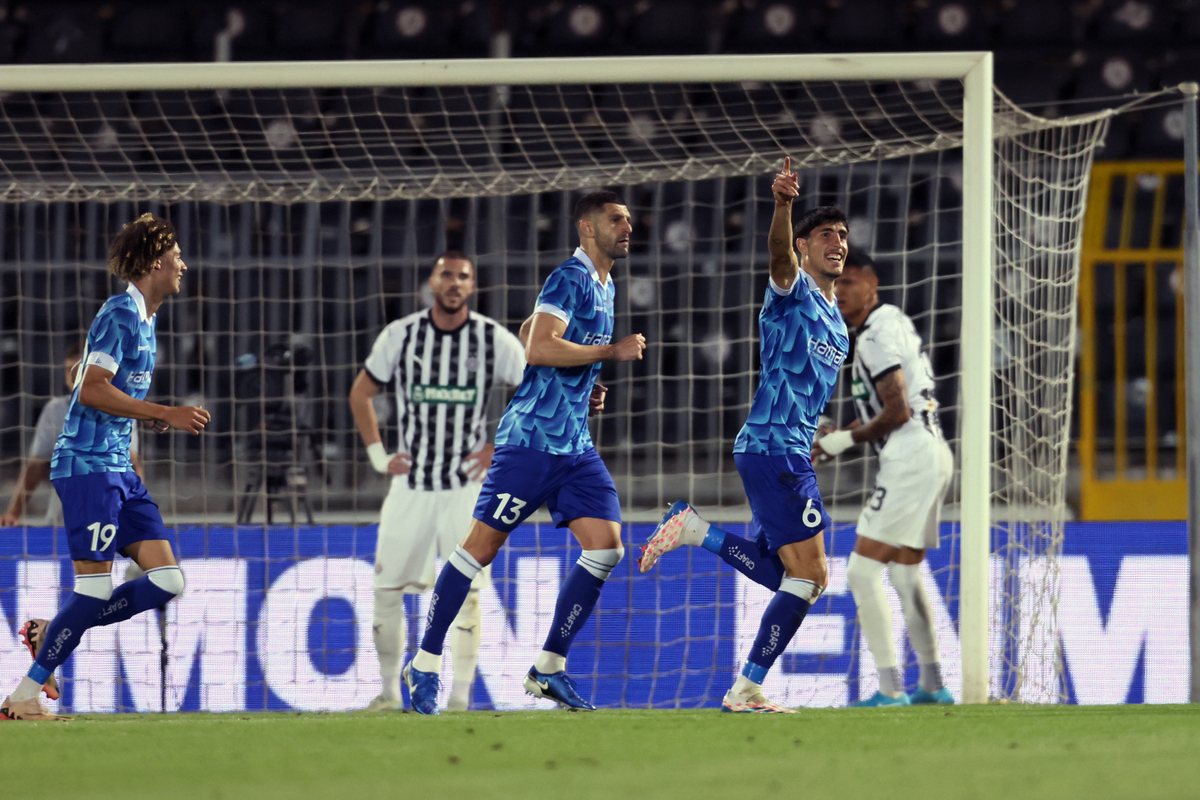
point(974, 69)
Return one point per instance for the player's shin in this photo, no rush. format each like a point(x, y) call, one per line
point(464, 651)
point(389, 628)
point(449, 593)
point(918, 618)
point(576, 599)
point(865, 577)
point(79, 613)
point(780, 622)
point(154, 589)
point(744, 556)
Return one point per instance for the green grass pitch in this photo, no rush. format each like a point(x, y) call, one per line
point(1000, 751)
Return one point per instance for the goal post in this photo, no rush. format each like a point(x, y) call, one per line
point(862, 109)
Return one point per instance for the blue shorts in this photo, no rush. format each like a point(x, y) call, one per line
point(784, 499)
point(104, 512)
point(522, 479)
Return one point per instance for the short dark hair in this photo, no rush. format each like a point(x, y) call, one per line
point(452, 255)
point(815, 217)
point(595, 201)
point(139, 244)
point(857, 258)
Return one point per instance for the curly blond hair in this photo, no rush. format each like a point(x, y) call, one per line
point(139, 244)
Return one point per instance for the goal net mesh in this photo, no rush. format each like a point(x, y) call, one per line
point(309, 220)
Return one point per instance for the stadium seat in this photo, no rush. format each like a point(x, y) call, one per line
point(669, 27)
point(1036, 22)
point(634, 118)
point(951, 25)
point(1160, 133)
point(864, 25)
point(1142, 21)
point(774, 27)
point(408, 30)
point(69, 33)
point(563, 29)
point(152, 32)
point(248, 26)
point(1112, 73)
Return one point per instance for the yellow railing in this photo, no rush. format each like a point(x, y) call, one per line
point(1131, 437)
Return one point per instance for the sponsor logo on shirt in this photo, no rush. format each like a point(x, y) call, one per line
point(858, 389)
point(142, 347)
point(457, 395)
point(139, 379)
point(825, 352)
point(597, 338)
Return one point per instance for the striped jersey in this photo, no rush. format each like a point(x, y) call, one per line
point(549, 412)
point(888, 341)
point(803, 342)
point(443, 382)
point(121, 341)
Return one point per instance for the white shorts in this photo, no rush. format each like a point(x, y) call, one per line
point(416, 528)
point(915, 468)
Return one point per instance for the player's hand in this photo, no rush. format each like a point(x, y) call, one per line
point(477, 464)
point(630, 348)
point(9, 520)
point(596, 402)
point(786, 186)
point(187, 418)
point(156, 425)
point(818, 454)
point(400, 464)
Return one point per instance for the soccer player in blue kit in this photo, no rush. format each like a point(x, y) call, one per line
point(544, 456)
point(106, 509)
point(803, 344)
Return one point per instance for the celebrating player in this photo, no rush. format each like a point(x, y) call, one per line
point(105, 506)
point(544, 455)
point(898, 414)
point(446, 361)
point(803, 344)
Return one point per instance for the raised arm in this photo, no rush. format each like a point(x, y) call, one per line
point(97, 392)
point(548, 348)
point(784, 264)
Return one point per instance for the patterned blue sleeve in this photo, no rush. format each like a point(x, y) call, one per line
point(107, 341)
point(559, 295)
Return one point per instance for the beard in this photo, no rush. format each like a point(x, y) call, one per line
point(443, 306)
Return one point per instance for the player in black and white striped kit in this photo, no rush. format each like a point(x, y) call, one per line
point(446, 362)
point(893, 391)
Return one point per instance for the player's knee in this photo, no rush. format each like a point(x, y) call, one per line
point(601, 563)
point(98, 586)
point(906, 578)
point(169, 579)
point(862, 573)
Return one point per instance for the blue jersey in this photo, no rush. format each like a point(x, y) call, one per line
point(550, 409)
point(803, 341)
point(121, 340)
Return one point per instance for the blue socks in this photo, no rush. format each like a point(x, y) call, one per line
point(79, 613)
point(134, 597)
point(449, 593)
point(780, 622)
point(578, 595)
point(744, 556)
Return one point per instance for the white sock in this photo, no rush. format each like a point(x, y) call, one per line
point(27, 689)
point(548, 663)
point(390, 632)
point(918, 618)
point(744, 686)
point(464, 651)
point(427, 662)
point(865, 576)
point(694, 531)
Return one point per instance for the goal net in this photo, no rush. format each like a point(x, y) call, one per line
point(309, 218)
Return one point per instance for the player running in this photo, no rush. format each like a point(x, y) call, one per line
point(544, 455)
point(898, 414)
point(105, 506)
point(803, 344)
point(446, 362)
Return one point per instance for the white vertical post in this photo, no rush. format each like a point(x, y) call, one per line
point(1191, 302)
point(975, 435)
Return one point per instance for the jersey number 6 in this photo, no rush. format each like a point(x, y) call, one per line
point(105, 535)
point(812, 517)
